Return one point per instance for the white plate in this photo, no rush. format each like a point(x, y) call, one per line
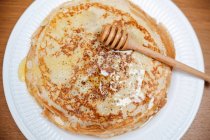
point(184, 95)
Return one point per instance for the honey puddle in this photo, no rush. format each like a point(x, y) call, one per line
point(21, 70)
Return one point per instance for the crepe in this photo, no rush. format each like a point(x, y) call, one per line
point(86, 88)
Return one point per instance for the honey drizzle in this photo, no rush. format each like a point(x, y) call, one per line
point(21, 70)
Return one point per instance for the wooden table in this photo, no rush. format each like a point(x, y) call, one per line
point(197, 11)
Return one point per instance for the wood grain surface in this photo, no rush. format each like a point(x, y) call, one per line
point(197, 11)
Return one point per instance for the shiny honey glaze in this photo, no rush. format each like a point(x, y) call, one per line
point(21, 70)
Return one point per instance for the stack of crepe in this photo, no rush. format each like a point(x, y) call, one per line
point(86, 88)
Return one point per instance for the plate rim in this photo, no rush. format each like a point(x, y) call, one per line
point(197, 42)
point(25, 131)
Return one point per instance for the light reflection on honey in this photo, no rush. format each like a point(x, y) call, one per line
point(21, 70)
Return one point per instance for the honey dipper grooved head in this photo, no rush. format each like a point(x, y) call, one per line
point(114, 37)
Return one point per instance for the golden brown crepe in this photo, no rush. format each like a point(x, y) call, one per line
point(84, 87)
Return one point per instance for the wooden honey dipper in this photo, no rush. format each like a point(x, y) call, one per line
point(116, 38)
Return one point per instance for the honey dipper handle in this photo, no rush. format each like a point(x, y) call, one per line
point(167, 60)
